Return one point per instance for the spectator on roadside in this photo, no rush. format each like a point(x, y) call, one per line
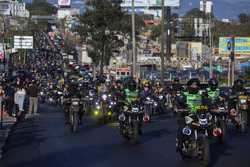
point(2, 96)
point(19, 99)
point(33, 98)
point(10, 93)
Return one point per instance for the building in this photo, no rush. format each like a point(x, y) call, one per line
point(13, 8)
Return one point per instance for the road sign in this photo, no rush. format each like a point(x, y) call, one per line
point(23, 42)
point(242, 45)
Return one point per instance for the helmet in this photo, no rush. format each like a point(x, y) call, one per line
point(132, 85)
point(193, 85)
point(145, 82)
point(239, 84)
point(213, 84)
point(176, 80)
point(118, 81)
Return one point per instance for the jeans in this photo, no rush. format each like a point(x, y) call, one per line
point(20, 102)
point(33, 105)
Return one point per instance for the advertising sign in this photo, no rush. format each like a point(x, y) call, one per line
point(23, 42)
point(150, 3)
point(64, 2)
point(242, 45)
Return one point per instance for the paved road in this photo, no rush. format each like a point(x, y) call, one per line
point(44, 141)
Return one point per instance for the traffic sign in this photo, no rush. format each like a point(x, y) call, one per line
point(23, 42)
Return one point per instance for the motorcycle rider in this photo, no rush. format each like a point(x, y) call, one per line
point(158, 88)
point(72, 91)
point(118, 95)
point(237, 88)
point(146, 92)
point(131, 94)
point(190, 99)
point(212, 91)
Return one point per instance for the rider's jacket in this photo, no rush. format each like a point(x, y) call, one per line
point(193, 101)
point(131, 96)
point(213, 95)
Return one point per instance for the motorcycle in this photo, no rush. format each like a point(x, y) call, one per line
point(149, 106)
point(240, 114)
point(103, 109)
point(130, 120)
point(219, 121)
point(74, 114)
point(159, 104)
point(195, 136)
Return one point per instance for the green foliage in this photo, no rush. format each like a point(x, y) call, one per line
point(195, 13)
point(102, 26)
point(41, 7)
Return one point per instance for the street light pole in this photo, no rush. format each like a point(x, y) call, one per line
point(162, 40)
point(133, 38)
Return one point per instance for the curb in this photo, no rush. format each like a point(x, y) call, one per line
point(4, 134)
point(3, 138)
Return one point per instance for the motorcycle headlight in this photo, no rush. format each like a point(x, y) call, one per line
point(203, 121)
point(98, 107)
point(161, 97)
point(148, 98)
point(104, 97)
point(243, 101)
point(155, 104)
point(59, 93)
point(75, 103)
point(41, 93)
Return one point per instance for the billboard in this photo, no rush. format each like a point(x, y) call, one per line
point(242, 45)
point(64, 2)
point(23, 42)
point(150, 3)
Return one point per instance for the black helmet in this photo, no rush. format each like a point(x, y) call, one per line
point(213, 84)
point(118, 81)
point(239, 83)
point(193, 85)
point(132, 85)
point(176, 80)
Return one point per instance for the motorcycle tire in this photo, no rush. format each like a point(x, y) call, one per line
point(75, 122)
point(222, 138)
point(243, 126)
point(135, 134)
point(206, 152)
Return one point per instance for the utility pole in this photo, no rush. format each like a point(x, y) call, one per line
point(162, 40)
point(133, 38)
point(210, 45)
point(168, 37)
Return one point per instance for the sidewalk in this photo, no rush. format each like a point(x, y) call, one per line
point(8, 122)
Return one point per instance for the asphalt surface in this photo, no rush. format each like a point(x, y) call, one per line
point(44, 141)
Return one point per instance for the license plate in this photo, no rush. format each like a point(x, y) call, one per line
point(135, 109)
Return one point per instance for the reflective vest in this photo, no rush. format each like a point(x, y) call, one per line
point(131, 96)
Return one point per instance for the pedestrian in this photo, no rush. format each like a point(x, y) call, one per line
point(33, 98)
point(2, 96)
point(19, 99)
point(10, 93)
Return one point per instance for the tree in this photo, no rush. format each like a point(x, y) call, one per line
point(103, 27)
point(41, 7)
